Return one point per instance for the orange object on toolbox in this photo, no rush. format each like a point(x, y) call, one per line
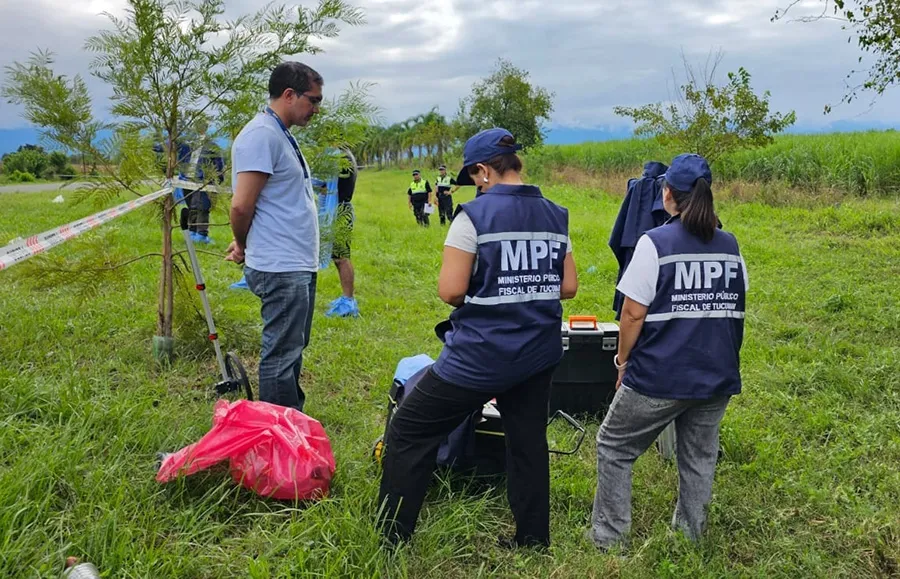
point(582, 322)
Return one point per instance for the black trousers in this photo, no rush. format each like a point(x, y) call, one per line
point(198, 218)
point(445, 207)
point(429, 413)
point(418, 202)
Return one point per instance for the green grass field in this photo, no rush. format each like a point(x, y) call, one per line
point(809, 484)
point(859, 163)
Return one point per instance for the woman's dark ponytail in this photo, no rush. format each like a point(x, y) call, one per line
point(698, 214)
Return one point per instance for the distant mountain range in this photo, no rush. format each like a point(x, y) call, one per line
point(12, 139)
point(558, 135)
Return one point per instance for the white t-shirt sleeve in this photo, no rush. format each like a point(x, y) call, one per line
point(639, 280)
point(461, 234)
point(256, 150)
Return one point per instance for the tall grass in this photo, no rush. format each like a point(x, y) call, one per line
point(808, 484)
point(858, 163)
point(625, 156)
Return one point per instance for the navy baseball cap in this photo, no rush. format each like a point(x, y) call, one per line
point(482, 148)
point(685, 170)
point(416, 172)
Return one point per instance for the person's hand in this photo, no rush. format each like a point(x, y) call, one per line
point(234, 252)
point(619, 379)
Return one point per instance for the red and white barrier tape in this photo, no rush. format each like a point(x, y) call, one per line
point(21, 250)
point(192, 186)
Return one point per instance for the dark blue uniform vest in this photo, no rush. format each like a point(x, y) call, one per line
point(689, 346)
point(509, 328)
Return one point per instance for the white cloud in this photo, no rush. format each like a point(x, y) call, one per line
point(593, 55)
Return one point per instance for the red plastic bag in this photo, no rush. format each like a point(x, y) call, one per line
point(274, 451)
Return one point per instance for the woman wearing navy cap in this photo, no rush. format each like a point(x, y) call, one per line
point(679, 353)
point(507, 264)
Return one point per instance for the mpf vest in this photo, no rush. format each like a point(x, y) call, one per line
point(689, 346)
point(509, 327)
point(418, 188)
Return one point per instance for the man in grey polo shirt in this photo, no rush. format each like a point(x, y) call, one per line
point(275, 226)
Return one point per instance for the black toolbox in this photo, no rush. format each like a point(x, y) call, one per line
point(487, 453)
point(479, 444)
point(585, 381)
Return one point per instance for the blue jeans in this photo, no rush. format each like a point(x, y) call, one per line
point(288, 301)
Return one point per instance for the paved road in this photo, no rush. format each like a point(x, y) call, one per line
point(40, 187)
point(62, 187)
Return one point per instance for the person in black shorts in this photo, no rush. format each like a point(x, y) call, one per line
point(344, 306)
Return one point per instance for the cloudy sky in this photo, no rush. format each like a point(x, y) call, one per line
point(593, 54)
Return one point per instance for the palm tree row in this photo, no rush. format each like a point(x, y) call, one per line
point(422, 139)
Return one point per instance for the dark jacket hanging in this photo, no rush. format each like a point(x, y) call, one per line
point(641, 211)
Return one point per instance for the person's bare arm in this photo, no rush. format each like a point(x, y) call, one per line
point(570, 278)
point(243, 205)
point(456, 273)
point(633, 315)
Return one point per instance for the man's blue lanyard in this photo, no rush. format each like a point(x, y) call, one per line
point(290, 138)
